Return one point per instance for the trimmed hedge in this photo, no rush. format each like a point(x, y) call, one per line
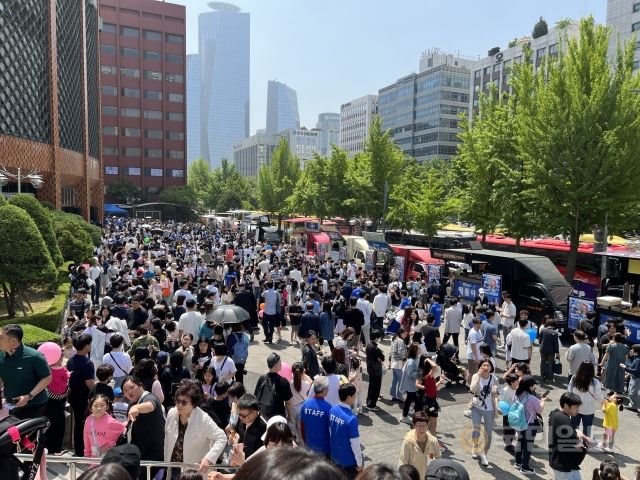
point(49, 320)
point(35, 336)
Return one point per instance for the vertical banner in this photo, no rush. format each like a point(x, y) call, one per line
point(433, 274)
point(322, 251)
point(342, 255)
point(492, 285)
point(369, 262)
point(578, 309)
point(400, 267)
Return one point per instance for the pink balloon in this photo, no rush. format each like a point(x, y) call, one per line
point(51, 351)
point(285, 371)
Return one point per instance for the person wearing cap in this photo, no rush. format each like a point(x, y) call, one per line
point(314, 418)
point(507, 315)
point(481, 299)
point(274, 388)
point(484, 387)
point(127, 456)
point(79, 305)
point(418, 445)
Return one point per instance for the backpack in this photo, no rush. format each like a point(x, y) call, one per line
point(266, 395)
point(517, 416)
point(240, 350)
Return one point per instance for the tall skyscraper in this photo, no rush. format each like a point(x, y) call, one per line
point(623, 17)
point(223, 48)
point(143, 110)
point(328, 127)
point(194, 84)
point(282, 107)
point(329, 121)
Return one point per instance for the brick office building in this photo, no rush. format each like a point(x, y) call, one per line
point(142, 64)
point(49, 107)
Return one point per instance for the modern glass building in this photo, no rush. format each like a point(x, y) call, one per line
point(193, 108)
point(223, 47)
point(422, 110)
point(282, 107)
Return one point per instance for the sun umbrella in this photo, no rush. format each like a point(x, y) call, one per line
point(228, 314)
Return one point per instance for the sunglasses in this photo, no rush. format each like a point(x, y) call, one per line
point(245, 415)
point(184, 403)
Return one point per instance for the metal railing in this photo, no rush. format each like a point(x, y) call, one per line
point(73, 462)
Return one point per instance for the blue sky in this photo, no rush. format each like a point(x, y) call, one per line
point(332, 51)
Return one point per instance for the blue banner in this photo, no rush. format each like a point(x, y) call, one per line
point(632, 328)
point(465, 289)
point(492, 285)
point(578, 309)
point(433, 273)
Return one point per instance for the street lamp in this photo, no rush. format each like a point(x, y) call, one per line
point(33, 176)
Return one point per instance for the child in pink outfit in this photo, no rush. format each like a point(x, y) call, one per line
point(101, 430)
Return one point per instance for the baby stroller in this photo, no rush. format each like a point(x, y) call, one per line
point(15, 435)
point(447, 360)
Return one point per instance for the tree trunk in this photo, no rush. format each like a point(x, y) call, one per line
point(279, 221)
point(11, 311)
point(518, 240)
point(484, 236)
point(574, 242)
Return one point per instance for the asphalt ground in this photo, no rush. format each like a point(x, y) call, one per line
point(382, 433)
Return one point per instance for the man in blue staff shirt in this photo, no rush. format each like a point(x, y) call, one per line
point(314, 418)
point(436, 309)
point(346, 451)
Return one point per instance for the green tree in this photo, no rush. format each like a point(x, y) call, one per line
point(381, 162)
point(580, 139)
point(25, 258)
point(277, 180)
point(120, 190)
point(512, 43)
point(42, 220)
point(199, 179)
point(184, 200)
point(540, 29)
point(311, 194)
point(75, 243)
point(3, 201)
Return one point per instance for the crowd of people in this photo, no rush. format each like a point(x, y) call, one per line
point(145, 361)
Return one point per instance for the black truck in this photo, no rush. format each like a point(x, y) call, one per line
point(532, 280)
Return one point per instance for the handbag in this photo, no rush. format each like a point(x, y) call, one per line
point(557, 367)
point(124, 438)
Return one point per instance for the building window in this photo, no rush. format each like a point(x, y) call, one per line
point(175, 97)
point(175, 135)
point(477, 74)
point(130, 112)
point(636, 7)
point(487, 70)
point(635, 26)
point(541, 52)
point(109, 90)
point(506, 64)
point(151, 55)
point(152, 95)
point(496, 68)
point(175, 154)
point(174, 58)
point(153, 133)
point(129, 72)
point(108, 70)
point(130, 132)
point(106, 49)
point(133, 171)
point(518, 59)
point(129, 52)
point(553, 49)
point(174, 78)
point(172, 38)
point(175, 173)
point(153, 152)
point(153, 114)
point(107, 130)
point(130, 32)
point(152, 35)
point(130, 92)
point(108, 110)
point(109, 150)
point(175, 116)
point(153, 172)
point(131, 152)
point(108, 28)
point(110, 170)
point(152, 75)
